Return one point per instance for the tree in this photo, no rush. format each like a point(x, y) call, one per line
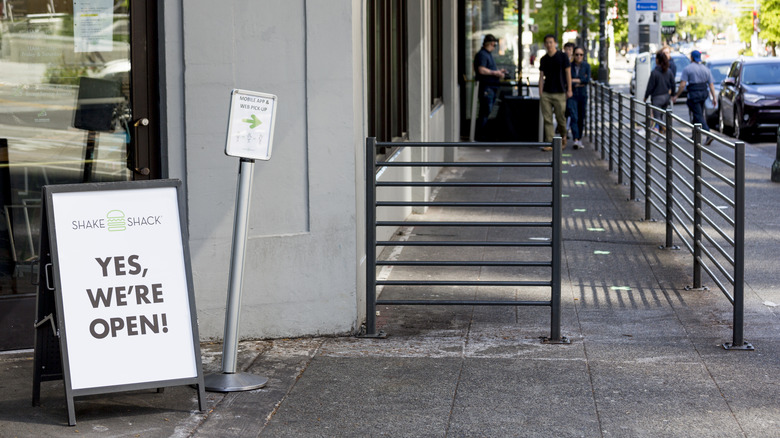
point(770, 23)
point(699, 19)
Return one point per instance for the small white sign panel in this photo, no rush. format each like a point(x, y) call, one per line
point(251, 125)
point(124, 287)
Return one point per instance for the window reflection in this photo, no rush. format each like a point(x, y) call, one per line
point(64, 113)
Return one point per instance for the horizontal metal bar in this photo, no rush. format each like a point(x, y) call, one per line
point(460, 263)
point(461, 283)
point(679, 148)
point(681, 120)
point(460, 224)
point(720, 267)
point(461, 204)
point(682, 180)
point(720, 158)
point(717, 228)
point(717, 210)
point(715, 279)
point(659, 208)
point(688, 170)
point(459, 243)
point(714, 190)
point(682, 135)
point(460, 303)
point(459, 144)
point(717, 246)
point(717, 174)
point(679, 220)
point(688, 215)
point(460, 164)
point(682, 238)
point(462, 184)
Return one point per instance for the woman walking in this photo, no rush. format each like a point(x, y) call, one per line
point(660, 87)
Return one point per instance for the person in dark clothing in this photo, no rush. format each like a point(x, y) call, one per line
point(672, 66)
point(580, 78)
point(661, 84)
point(699, 82)
point(554, 88)
point(488, 76)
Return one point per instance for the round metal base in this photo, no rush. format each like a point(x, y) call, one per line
point(233, 382)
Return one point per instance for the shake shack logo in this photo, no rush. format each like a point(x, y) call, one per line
point(115, 220)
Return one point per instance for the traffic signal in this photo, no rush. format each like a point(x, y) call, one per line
point(755, 21)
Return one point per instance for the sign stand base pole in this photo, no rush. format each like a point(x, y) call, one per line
point(229, 380)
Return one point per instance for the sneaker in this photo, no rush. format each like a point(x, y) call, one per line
point(547, 148)
point(577, 144)
point(708, 142)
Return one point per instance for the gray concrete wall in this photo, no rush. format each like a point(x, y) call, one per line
point(305, 253)
point(300, 272)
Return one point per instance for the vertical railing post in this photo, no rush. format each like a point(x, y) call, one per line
point(620, 138)
point(555, 298)
point(632, 148)
point(610, 128)
point(603, 121)
point(596, 115)
point(669, 192)
point(592, 95)
point(370, 236)
point(648, 165)
point(738, 340)
point(697, 234)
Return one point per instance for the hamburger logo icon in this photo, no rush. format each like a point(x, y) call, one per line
point(116, 220)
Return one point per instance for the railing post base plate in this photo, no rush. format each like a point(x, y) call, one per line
point(746, 346)
point(673, 247)
point(380, 334)
point(562, 340)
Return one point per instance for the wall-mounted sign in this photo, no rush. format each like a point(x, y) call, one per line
point(125, 306)
point(251, 125)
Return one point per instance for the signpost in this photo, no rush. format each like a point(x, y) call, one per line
point(250, 137)
point(116, 292)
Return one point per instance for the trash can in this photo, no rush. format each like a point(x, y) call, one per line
point(518, 119)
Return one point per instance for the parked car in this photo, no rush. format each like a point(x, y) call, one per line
point(680, 61)
point(719, 69)
point(749, 99)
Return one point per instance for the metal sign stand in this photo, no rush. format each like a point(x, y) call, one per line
point(250, 136)
point(229, 380)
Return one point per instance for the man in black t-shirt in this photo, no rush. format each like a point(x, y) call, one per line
point(554, 88)
point(488, 76)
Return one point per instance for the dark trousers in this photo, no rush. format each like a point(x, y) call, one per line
point(487, 97)
point(697, 96)
point(578, 112)
point(696, 110)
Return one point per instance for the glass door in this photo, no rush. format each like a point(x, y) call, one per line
point(74, 107)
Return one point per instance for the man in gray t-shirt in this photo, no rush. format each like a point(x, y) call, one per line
point(698, 79)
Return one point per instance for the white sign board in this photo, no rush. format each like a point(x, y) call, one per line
point(122, 275)
point(251, 125)
point(93, 22)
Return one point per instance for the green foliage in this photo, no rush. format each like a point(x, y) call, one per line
point(769, 20)
point(697, 24)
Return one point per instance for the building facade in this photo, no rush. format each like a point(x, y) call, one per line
point(119, 90)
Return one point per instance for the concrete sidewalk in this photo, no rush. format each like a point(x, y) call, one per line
point(645, 357)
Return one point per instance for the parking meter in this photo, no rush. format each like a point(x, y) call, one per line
point(642, 68)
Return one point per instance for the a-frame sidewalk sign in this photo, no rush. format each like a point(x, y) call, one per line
point(116, 306)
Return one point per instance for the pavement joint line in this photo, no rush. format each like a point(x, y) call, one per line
point(289, 390)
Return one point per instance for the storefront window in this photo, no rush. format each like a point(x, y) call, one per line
point(65, 115)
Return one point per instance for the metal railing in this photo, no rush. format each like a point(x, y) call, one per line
point(430, 240)
point(692, 178)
